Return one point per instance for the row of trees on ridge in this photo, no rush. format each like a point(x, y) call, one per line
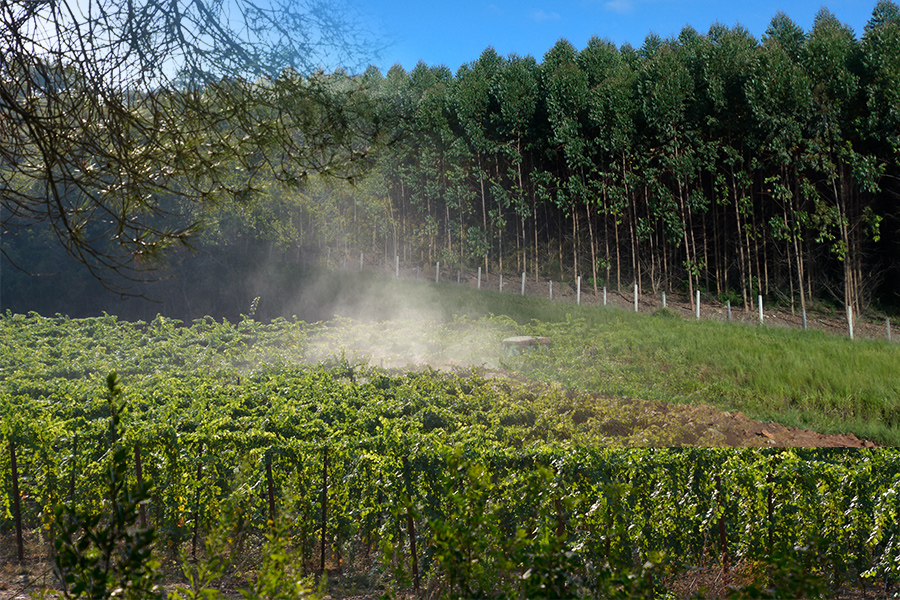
point(718, 162)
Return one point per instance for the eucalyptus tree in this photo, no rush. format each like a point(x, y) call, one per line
point(377, 187)
point(474, 104)
point(881, 80)
point(723, 68)
point(566, 88)
point(832, 58)
point(396, 157)
point(430, 89)
point(610, 121)
point(789, 36)
point(121, 118)
point(880, 127)
point(779, 94)
point(664, 90)
point(517, 90)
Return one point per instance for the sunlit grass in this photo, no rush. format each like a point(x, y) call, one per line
point(812, 380)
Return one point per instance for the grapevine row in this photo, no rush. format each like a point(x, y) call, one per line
point(351, 462)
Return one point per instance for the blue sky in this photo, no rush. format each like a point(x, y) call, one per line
point(454, 32)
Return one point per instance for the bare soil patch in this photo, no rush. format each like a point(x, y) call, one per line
point(737, 430)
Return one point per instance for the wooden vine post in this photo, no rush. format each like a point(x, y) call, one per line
point(770, 509)
point(560, 521)
point(17, 510)
point(609, 526)
point(560, 518)
point(324, 506)
point(72, 475)
point(270, 485)
point(723, 542)
point(197, 506)
point(139, 473)
point(411, 526)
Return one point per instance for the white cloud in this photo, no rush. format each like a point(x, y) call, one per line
point(622, 7)
point(542, 16)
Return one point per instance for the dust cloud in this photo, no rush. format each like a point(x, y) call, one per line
point(399, 325)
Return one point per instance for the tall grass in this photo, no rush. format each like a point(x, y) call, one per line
point(804, 379)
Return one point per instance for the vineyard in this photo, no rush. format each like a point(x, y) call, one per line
point(407, 452)
point(248, 443)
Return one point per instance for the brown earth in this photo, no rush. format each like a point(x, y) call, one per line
point(739, 431)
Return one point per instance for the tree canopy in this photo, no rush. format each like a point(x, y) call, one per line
point(121, 122)
point(713, 161)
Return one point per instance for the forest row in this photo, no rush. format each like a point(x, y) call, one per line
point(717, 162)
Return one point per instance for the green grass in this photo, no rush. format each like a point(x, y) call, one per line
point(798, 378)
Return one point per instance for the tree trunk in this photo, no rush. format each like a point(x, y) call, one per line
point(606, 236)
point(795, 236)
point(634, 248)
point(535, 225)
point(841, 193)
point(587, 212)
point(742, 258)
point(687, 247)
point(787, 248)
point(575, 240)
point(483, 211)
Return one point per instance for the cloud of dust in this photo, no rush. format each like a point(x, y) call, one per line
point(377, 320)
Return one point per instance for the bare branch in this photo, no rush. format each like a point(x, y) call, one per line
point(122, 121)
